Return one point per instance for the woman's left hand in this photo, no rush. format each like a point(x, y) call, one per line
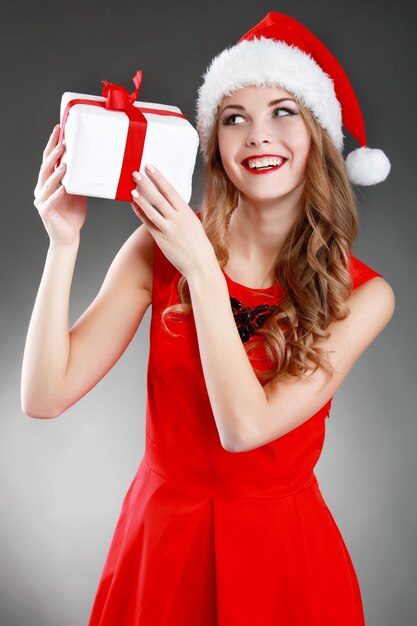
point(172, 223)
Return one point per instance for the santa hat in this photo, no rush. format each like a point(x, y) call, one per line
point(281, 52)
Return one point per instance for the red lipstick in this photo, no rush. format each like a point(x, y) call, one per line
point(263, 156)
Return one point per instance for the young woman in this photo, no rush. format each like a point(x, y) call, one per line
point(259, 312)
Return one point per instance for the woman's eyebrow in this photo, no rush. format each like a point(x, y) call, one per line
point(270, 104)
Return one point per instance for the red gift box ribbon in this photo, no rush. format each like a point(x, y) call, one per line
point(118, 99)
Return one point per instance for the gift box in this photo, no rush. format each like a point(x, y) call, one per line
point(110, 136)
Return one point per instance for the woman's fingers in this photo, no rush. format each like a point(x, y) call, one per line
point(162, 185)
point(51, 183)
point(51, 154)
point(52, 141)
point(140, 213)
point(153, 195)
point(46, 207)
point(148, 213)
point(48, 166)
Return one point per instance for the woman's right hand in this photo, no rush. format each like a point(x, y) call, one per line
point(63, 214)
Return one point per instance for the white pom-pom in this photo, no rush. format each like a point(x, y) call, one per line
point(367, 166)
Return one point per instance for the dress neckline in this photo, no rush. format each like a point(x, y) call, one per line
point(272, 289)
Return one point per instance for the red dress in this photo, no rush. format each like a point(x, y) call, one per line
point(207, 537)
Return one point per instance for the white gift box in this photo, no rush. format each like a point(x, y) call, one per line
point(95, 147)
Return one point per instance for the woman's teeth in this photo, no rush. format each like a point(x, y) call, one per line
point(257, 164)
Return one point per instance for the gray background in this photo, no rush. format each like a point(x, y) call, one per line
point(62, 481)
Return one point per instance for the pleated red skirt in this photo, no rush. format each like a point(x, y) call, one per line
point(188, 551)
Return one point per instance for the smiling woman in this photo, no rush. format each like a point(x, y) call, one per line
point(244, 362)
point(259, 311)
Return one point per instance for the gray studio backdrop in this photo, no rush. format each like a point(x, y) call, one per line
point(62, 481)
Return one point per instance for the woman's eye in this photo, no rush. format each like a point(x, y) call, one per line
point(228, 120)
point(284, 109)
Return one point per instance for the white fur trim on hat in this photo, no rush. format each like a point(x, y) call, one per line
point(271, 63)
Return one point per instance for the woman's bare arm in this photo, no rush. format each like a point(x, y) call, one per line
point(289, 404)
point(248, 414)
point(60, 365)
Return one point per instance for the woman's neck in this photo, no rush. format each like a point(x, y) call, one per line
point(255, 237)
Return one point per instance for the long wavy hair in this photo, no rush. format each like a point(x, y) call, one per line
point(311, 268)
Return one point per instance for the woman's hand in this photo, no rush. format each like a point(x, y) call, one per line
point(176, 228)
point(63, 214)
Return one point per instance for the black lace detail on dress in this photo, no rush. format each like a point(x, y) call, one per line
point(247, 319)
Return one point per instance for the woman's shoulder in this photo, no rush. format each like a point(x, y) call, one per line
point(360, 271)
point(379, 291)
point(374, 303)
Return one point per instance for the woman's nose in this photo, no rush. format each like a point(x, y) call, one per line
point(258, 134)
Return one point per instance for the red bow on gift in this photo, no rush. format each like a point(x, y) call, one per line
point(117, 97)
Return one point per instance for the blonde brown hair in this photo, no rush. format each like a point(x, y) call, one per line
point(312, 267)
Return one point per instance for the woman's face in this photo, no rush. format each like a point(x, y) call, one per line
point(257, 125)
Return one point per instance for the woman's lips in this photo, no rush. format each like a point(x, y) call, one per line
point(266, 170)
